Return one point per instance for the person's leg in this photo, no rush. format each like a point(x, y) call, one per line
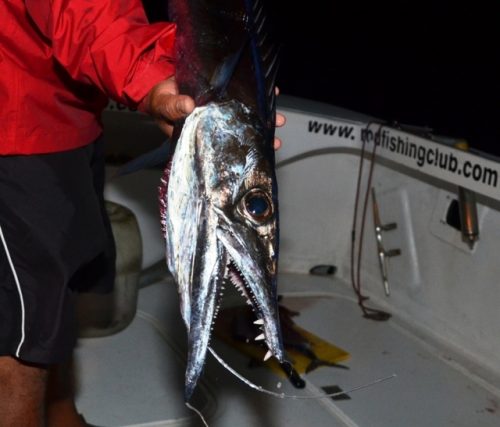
point(22, 393)
point(35, 396)
point(61, 409)
point(96, 276)
point(51, 225)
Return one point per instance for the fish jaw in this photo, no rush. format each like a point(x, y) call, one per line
point(221, 224)
point(205, 301)
point(256, 280)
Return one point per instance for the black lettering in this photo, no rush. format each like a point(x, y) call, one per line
point(384, 139)
point(345, 131)
point(401, 145)
point(392, 143)
point(453, 165)
point(443, 160)
point(490, 177)
point(366, 135)
point(413, 151)
point(314, 126)
point(329, 129)
point(430, 157)
point(420, 154)
point(477, 173)
point(466, 170)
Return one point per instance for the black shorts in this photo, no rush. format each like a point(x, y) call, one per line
point(55, 240)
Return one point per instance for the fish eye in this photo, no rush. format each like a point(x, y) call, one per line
point(258, 205)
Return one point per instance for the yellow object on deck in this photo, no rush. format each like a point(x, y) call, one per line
point(305, 350)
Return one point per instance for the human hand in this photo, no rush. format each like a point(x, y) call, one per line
point(167, 106)
point(280, 121)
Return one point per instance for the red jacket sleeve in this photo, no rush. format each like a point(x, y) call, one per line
point(107, 43)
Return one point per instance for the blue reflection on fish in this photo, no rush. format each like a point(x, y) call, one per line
point(219, 191)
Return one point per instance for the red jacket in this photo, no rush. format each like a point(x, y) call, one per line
point(60, 61)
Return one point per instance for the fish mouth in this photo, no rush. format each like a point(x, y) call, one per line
point(252, 272)
point(243, 263)
point(237, 279)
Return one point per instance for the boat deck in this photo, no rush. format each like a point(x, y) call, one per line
point(135, 377)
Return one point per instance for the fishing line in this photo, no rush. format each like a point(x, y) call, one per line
point(198, 413)
point(283, 395)
point(291, 396)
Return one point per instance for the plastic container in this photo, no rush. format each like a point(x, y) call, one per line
point(101, 315)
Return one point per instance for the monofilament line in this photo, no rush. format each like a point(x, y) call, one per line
point(283, 395)
point(288, 396)
point(197, 412)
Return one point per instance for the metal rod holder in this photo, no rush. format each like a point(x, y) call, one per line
point(382, 253)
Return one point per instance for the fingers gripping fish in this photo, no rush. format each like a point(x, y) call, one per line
point(218, 196)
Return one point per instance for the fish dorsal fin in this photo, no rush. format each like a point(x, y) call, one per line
point(265, 56)
point(227, 55)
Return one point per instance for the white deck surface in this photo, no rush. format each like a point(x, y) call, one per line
point(135, 378)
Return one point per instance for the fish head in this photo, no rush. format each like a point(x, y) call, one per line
point(222, 224)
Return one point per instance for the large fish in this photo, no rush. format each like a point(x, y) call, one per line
point(219, 191)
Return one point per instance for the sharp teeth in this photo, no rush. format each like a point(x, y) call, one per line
point(268, 355)
point(259, 322)
point(260, 337)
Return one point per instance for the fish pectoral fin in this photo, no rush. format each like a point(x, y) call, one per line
point(155, 157)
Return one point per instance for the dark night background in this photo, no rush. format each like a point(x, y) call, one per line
point(426, 63)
